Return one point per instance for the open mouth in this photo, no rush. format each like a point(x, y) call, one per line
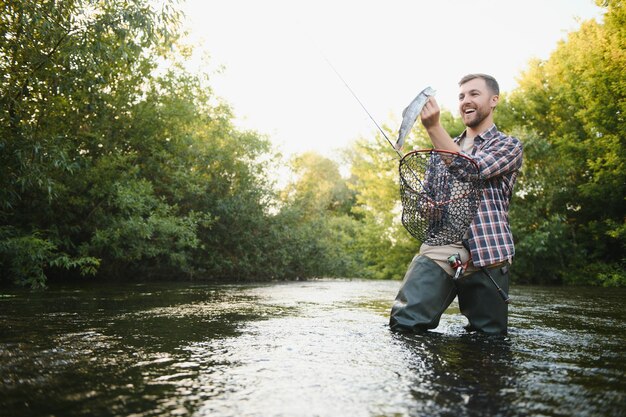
point(470, 111)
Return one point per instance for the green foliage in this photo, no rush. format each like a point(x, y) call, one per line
point(384, 244)
point(570, 200)
point(112, 151)
point(23, 258)
point(318, 187)
point(320, 227)
point(135, 225)
point(71, 70)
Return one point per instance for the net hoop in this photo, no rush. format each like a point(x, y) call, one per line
point(440, 192)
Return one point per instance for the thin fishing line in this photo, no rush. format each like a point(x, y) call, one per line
point(362, 106)
point(415, 176)
point(313, 43)
point(430, 195)
point(330, 64)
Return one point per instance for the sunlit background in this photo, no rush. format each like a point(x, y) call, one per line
point(276, 77)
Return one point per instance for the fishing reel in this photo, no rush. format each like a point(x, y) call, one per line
point(455, 262)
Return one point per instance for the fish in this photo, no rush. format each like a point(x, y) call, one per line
point(409, 115)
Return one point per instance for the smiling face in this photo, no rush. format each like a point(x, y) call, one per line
point(476, 104)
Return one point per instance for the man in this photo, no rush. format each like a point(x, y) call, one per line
point(428, 287)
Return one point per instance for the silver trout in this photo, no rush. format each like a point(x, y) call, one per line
point(409, 115)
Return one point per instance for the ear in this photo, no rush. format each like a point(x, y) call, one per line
point(494, 101)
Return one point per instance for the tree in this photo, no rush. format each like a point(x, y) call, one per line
point(318, 186)
point(317, 206)
point(107, 162)
point(572, 105)
point(71, 69)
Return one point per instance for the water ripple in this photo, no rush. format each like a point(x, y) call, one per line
point(318, 348)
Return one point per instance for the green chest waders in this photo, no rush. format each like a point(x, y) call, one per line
point(427, 291)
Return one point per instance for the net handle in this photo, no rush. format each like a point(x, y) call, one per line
point(439, 151)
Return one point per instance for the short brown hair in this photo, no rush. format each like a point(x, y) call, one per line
point(491, 82)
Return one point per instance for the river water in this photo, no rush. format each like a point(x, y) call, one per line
point(313, 348)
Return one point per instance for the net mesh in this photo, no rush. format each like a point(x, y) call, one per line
point(440, 193)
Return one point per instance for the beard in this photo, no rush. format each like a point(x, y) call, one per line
point(476, 118)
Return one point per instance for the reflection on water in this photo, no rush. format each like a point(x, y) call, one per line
point(318, 348)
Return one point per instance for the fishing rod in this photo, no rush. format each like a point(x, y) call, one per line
point(404, 128)
point(362, 105)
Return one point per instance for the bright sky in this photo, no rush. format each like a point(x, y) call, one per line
point(278, 82)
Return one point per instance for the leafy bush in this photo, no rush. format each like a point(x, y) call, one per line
point(24, 259)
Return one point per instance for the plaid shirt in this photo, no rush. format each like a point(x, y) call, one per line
point(499, 158)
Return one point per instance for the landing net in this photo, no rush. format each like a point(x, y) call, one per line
point(440, 193)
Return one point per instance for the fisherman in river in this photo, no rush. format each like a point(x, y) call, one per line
point(486, 251)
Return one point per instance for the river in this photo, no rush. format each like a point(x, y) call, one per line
point(307, 348)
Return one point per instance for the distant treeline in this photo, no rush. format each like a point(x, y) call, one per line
point(118, 162)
